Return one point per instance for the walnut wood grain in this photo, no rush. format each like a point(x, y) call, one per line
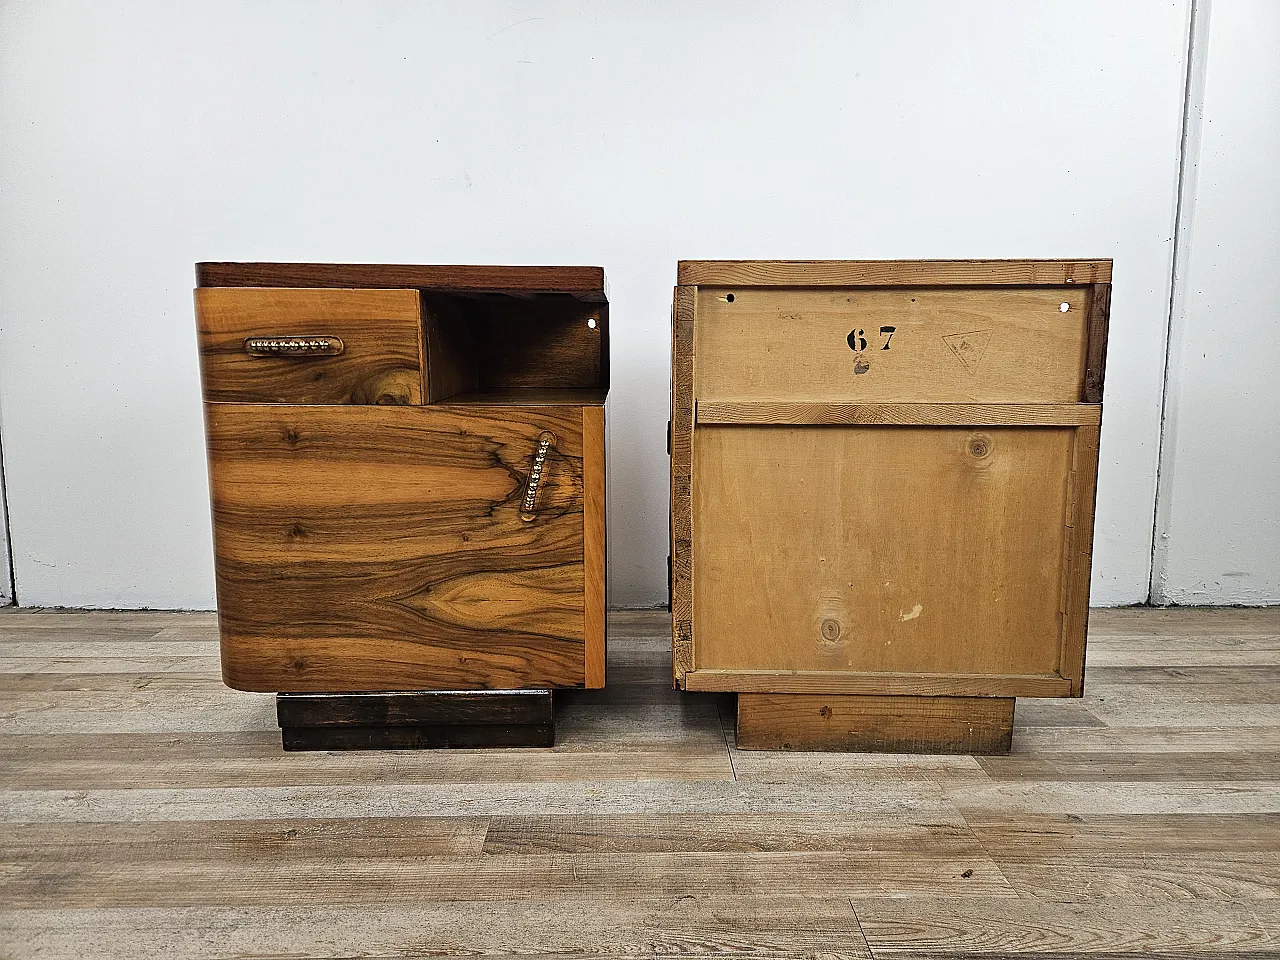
point(381, 331)
point(450, 348)
point(595, 546)
point(363, 548)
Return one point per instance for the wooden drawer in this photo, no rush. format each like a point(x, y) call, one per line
point(883, 476)
point(380, 333)
point(384, 548)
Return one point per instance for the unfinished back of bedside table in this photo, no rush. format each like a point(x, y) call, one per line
point(883, 484)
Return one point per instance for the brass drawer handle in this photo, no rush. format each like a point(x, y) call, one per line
point(546, 442)
point(293, 346)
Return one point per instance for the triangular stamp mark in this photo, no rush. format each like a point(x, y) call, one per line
point(969, 347)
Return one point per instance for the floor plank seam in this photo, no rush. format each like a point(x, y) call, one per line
point(982, 845)
point(861, 932)
point(724, 733)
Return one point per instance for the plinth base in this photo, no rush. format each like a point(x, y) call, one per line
point(782, 721)
point(415, 719)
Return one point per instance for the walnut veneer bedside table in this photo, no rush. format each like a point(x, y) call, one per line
point(407, 475)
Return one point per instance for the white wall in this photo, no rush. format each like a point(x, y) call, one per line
point(6, 573)
point(1219, 518)
point(140, 137)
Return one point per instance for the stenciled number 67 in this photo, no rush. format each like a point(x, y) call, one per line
point(858, 338)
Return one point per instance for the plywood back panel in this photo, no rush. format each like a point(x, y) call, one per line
point(926, 550)
point(897, 344)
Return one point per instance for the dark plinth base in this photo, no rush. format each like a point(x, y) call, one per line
point(415, 720)
point(877, 724)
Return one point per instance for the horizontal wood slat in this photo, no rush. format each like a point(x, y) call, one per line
point(992, 344)
point(808, 273)
point(899, 684)
point(898, 414)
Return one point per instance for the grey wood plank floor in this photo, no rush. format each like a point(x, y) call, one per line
point(146, 811)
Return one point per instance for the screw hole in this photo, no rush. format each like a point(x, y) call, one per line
point(591, 322)
point(728, 298)
point(1063, 307)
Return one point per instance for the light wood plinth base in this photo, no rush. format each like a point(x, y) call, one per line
point(780, 721)
point(418, 719)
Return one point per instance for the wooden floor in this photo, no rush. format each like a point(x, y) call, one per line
point(148, 812)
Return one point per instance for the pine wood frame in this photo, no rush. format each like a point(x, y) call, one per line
point(1084, 418)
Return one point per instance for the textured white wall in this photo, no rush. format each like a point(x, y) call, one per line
point(1219, 519)
point(139, 137)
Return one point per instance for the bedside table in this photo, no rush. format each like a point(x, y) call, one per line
point(406, 468)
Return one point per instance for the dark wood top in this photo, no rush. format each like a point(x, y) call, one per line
point(584, 283)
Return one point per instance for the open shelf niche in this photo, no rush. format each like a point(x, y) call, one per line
point(504, 349)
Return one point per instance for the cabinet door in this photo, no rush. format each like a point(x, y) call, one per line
point(392, 548)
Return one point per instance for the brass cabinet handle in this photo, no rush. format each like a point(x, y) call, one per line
point(293, 346)
point(546, 443)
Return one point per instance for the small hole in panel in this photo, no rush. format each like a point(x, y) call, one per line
point(728, 298)
point(1063, 307)
point(591, 322)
